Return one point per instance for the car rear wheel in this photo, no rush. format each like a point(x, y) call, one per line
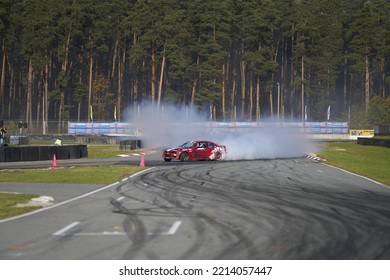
point(218, 156)
point(184, 157)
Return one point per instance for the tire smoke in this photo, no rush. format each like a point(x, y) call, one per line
point(267, 143)
point(171, 126)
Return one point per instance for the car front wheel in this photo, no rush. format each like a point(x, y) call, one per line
point(184, 157)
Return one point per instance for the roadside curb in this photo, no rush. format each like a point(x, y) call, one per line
point(314, 157)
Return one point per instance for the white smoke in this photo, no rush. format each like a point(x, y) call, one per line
point(167, 127)
point(171, 126)
point(267, 143)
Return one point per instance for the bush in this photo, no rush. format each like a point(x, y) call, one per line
point(379, 111)
point(378, 114)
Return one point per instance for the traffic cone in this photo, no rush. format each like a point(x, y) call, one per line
point(142, 161)
point(54, 163)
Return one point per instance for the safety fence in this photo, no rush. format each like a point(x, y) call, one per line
point(17, 127)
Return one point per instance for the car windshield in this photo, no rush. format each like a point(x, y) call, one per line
point(188, 144)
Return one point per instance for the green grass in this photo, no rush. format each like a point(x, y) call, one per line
point(369, 161)
point(104, 151)
point(71, 175)
point(107, 151)
point(8, 201)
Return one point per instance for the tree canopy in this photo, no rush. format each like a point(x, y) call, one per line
point(246, 59)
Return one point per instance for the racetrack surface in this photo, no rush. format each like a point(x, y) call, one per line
point(258, 209)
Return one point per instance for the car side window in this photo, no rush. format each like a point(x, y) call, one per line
point(201, 145)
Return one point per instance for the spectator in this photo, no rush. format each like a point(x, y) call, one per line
point(3, 131)
point(58, 142)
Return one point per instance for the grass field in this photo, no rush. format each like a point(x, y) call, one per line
point(105, 151)
point(8, 202)
point(71, 175)
point(369, 161)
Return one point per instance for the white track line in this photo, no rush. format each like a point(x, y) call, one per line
point(65, 229)
point(172, 230)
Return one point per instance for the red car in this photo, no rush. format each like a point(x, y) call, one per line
point(195, 150)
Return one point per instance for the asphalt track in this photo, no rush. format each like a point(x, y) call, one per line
point(260, 209)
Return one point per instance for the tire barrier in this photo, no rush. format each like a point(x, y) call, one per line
point(374, 142)
point(382, 130)
point(36, 153)
point(129, 144)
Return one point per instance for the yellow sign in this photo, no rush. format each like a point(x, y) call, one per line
point(361, 132)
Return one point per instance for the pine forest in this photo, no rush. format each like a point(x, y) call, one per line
point(244, 60)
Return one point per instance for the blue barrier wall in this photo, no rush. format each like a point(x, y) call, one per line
point(84, 128)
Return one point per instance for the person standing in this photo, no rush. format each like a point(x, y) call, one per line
point(3, 131)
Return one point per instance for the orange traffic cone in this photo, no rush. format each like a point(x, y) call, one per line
point(142, 161)
point(54, 164)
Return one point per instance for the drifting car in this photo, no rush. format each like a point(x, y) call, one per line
point(196, 150)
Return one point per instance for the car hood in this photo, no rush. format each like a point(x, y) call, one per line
point(173, 149)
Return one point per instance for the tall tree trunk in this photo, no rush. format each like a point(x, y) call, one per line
point(80, 82)
point(121, 69)
point(90, 114)
point(29, 93)
point(2, 80)
point(40, 89)
point(21, 104)
point(243, 85)
point(293, 104)
point(232, 97)
point(366, 83)
point(250, 107)
point(223, 74)
point(64, 69)
point(283, 76)
point(111, 75)
point(45, 103)
point(161, 80)
point(12, 91)
point(134, 91)
point(383, 77)
point(258, 98)
point(345, 75)
point(302, 89)
point(153, 74)
point(194, 84)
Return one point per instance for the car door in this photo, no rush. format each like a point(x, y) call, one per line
point(201, 151)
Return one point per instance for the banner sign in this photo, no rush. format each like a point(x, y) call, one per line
point(362, 132)
point(104, 128)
